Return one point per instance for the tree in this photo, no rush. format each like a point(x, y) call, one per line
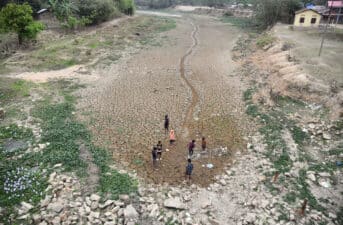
point(18, 18)
point(63, 9)
point(268, 12)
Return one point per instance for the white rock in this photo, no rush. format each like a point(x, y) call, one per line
point(24, 217)
point(333, 216)
point(324, 183)
point(110, 223)
point(57, 207)
point(58, 165)
point(175, 203)
point(94, 205)
point(108, 214)
point(324, 174)
point(95, 215)
point(311, 176)
point(222, 182)
point(106, 204)
point(43, 223)
point(130, 212)
point(189, 220)
point(326, 136)
point(205, 203)
point(154, 212)
point(52, 177)
point(56, 221)
point(25, 207)
point(95, 197)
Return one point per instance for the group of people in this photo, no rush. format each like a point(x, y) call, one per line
point(158, 148)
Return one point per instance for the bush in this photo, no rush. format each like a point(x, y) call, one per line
point(18, 19)
point(74, 23)
point(126, 6)
point(265, 40)
point(97, 11)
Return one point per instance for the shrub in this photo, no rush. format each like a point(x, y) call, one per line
point(126, 6)
point(18, 19)
point(265, 40)
point(97, 11)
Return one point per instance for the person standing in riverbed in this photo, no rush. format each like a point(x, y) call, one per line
point(191, 147)
point(159, 150)
point(154, 156)
point(171, 137)
point(203, 144)
point(166, 124)
point(189, 169)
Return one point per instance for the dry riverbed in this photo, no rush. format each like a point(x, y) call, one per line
point(271, 153)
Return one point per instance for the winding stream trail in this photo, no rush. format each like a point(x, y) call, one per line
point(195, 95)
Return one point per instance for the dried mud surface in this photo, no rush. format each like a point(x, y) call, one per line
point(187, 78)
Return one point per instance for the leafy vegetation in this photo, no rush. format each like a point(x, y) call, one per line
point(243, 23)
point(64, 133)
point(13, 88)
point(18, 19)
point(264, 40)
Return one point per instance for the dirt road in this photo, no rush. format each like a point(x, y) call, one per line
point(187, 78)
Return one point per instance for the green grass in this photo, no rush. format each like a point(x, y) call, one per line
point(303, 192)
point(21, 178)
point(65, 133)
point(298, 135)
point(243, 23)
point(264, 40)
point(11, 89)
point(166, 24)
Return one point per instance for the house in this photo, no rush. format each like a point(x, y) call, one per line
point(307, 18)
point(335, 12)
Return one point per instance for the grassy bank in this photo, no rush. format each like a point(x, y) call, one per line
point(98, 45)
point(25, 168)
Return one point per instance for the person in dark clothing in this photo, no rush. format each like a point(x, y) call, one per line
point(189, 169)
point(154, 156)
point(191, 147)
point(159, 150)
point(203, 144)
point(166, 124)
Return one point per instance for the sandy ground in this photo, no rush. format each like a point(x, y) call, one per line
point(189, 8)
point(130, 100)
point(328, 66)
point(157, 14)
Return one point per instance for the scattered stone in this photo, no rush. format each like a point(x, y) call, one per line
point(130, 212)
point(324, 174)
point(324, 183)
point(57, 207)
point(311, 176)
point(106, 204)
point(154, 212)
point(175, 203)
point(26, 206)
point(326, 136)
point(95, 197)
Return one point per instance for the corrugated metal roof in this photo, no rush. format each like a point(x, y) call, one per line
point(42, 11)
point(304, 10)
point(335, 4)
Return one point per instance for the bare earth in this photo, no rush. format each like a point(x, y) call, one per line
point(188, 79)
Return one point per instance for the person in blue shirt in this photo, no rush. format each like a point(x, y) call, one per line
point(189, 169)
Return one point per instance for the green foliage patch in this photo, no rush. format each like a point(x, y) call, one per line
point(18, 19)
point(13, 88)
